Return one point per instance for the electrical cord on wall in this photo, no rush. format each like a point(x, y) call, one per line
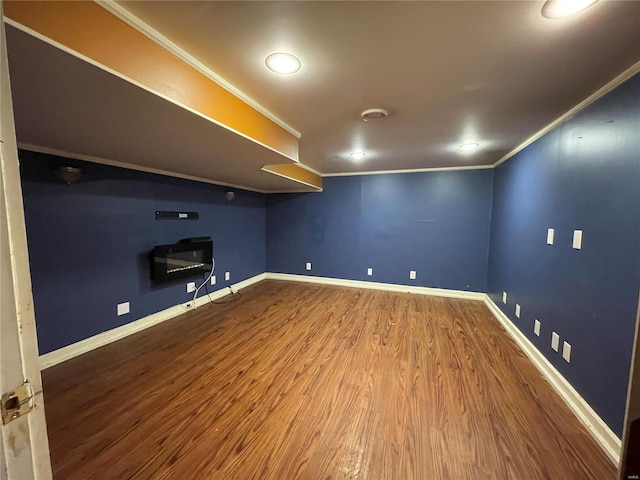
point(213, 267)
point(235, 295)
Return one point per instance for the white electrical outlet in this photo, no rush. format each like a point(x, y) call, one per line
point(550, 235)
point(504, 297)
point(412, 274)
point(123, 308)
point(213, 279)
point(227, 276)
point(566, 352)
point(555, 341)
point(577, 239)
point(517, 311)
point(369, 271)
point(308, 266)
point(536, 327)
point(191, 287)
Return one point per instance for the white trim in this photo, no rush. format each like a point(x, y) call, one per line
point(390, 287)
point(315, 187)
point(70, 351)
point(114, 163)
point(90, 61)
point(410, 170)
point(151, 33)
point(605, 437)
point(601, 92)
point(309, 169)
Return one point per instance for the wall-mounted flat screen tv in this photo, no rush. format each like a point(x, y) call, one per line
point(188, 257)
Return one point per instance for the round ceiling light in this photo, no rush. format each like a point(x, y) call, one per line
point(564, 8)
point(358, 155)
point(374, 114)
point(284, 63)
point(469, 146)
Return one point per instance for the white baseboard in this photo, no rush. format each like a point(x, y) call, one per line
point(605, 437)
point(391, 287)
point(70, 351)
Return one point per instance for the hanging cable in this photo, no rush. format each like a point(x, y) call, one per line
point(213, 266)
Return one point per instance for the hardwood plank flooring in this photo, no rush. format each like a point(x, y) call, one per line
point(302, 381)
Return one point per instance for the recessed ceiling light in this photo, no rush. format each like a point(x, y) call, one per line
point(374, 114)
point(469, 146)
point(281, 62)
point(358, 155)
point(564, 8)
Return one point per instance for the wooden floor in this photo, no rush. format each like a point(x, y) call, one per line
point(316, 382)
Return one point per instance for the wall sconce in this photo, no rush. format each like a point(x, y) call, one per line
point(69, 175)
point(229, 195)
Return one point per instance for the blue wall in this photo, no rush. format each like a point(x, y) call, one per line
point(436, 223)
point(88, 243)
point(584, 175)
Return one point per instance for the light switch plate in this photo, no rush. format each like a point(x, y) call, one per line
point(227, 276)
point(308, 266)
point(566, 352)
point(213, 279)
point(555, 341)
point(123, 308)
point(577, 239)
point(191, 287)
point(504, 297)
point(550, 236)
point(412, 274)
point(517, 311)
point(536, 327)
point(369, 271)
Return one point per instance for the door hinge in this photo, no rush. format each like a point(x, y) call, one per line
point(17, 402)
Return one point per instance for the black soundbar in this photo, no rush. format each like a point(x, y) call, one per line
point(177, 216)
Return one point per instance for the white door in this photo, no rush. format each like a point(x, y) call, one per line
point(24, 448)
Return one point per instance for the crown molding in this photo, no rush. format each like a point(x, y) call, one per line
point(412, 170)
point(114, 163)
point(150, 32)
point(601, 92)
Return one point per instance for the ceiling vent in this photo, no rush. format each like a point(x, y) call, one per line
point(374, 114)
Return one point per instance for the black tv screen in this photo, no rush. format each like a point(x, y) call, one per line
point(180, 260)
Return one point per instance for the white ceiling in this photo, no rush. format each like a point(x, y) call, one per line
point(492, 72)
point(449, 72)
point(67, 105)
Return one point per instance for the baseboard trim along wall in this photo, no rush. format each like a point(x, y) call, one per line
point(605, 437)
point(75, 349)
point(390, 287)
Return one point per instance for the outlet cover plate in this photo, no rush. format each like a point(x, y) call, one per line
point(536, 327)
point(369, 271)
point(123, 308)
point(227, 276)
point(412, 274)
point(517, 311)
point(308, 266)
point(191, 287)
point(577, 239)
point(504, 297)
point(550, 236)
point(566, 352)
point(555, 341)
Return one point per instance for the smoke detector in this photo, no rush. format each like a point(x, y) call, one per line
point(374, 114)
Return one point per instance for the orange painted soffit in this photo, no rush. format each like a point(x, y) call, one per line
point(92, 31)
point(296, 173)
